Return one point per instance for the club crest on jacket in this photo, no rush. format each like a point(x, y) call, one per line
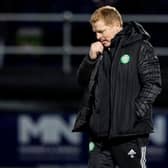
point(125, 59)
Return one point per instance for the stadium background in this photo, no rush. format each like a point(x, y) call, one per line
point(41, 46)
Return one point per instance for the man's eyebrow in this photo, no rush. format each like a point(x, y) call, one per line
point(100, 30)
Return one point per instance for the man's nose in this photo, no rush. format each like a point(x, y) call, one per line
point(98, 36)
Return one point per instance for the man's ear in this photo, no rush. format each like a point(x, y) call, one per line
point(118, 28)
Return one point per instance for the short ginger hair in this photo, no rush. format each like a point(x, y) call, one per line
point(109, 14)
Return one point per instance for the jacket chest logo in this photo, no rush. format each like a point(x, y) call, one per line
point(125, 59)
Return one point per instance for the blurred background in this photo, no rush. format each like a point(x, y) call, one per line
point(41, 45)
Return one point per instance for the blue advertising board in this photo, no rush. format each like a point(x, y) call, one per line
point(30, 139)
point(36, 139)
point(157, 152)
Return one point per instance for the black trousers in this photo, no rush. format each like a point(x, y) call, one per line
point(118, 153)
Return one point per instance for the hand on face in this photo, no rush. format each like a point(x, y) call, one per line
point(105, 32)
point(96, 48)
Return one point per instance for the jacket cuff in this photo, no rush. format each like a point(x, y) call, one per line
point(91, 61)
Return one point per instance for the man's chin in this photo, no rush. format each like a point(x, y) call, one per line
point(106, 45)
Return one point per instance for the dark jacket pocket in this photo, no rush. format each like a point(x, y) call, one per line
point(143, 109)
point(82, 120)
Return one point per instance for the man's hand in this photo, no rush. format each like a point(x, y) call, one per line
point(96, 48)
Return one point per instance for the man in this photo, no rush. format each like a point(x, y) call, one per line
point(122, 78)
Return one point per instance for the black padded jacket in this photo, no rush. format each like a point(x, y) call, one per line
point(125, 86)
